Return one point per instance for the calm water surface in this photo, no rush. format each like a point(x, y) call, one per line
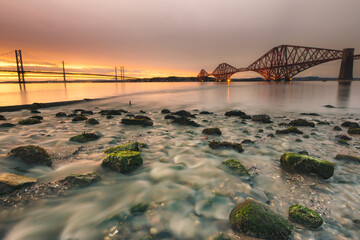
point(189, 191)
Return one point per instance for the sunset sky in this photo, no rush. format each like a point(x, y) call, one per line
point(176, 37)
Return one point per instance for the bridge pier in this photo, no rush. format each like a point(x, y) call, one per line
point(346, 69)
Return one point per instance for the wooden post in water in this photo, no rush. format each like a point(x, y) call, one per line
point(64, 75)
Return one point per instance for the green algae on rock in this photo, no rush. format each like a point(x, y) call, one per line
point(85, 137)
point(354, 131)
point(124, 161)
point(11, 181)
point(305, 164)
point(130, 146)
point(212, 131)
point(305, 216)
point(32, 154)
point(139, 208)
point(347, 157)
point(301, 123)
point(81, 180)
point(236, 167)
point(226, 145)
point(256, 219)
point(29, 121)
point(289, 130)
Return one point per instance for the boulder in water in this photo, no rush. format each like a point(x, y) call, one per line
point(85, 137)
point(305, 216)
point(124, 161)
point(10, 181)
point(32, 154)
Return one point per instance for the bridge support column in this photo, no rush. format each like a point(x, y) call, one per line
point(346, 69)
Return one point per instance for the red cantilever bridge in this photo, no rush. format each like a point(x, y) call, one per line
point(285, 61)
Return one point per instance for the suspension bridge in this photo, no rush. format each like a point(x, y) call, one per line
point(285, 61)
point(21, 64)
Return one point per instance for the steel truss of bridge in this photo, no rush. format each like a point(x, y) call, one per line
point(285, 61)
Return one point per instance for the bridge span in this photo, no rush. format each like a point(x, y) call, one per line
point(285, 61)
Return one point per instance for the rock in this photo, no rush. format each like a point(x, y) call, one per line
point(260, 130)
point(226, 145)
point(323, 123)
point(78, 110)
point(337, 128)
point(92, 121)
point(61, 114)
point(309, 114)
point(112, 112)
point(247, 141)
point(256, 219)
point(236, 167)
point(349, 124)
point(236, 113)
point(142, 111)
point(130, 146)
point(304, 152)
point(329, 106)
point(305, 164)
point(32, 154)
point(37, 117)
point(34, 111)
point(347, 157)
point(138, 120)
point(168, 116)
point(9, 182)
point(2, 118)
point(222, 236)
point(343, 142)
point(298, 140)
point(301, 123)
point(29, 121)
point(124, 161)
point(165, 111)
point(263, 118)
point(85, 137)
point(271, 135)
point(343, 137)
point(305, 216)
point(185, 121)
point(184, 113)
point(7, 125)
point(109, 117)
point(72, 115)
point(212, 131)
point(86, 112)
point(139, 208)
point(79, 118)
point(81, 180)
point(205, 113)
point(354, 131)
point(289, 130)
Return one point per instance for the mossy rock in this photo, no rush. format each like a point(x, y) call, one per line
point(32, 154)
point(92, 121)
point(169, 116)
point(37, 117)
point(354, 131)
point(165, 111)
point(185, 121)
point(347, 157)
point(78, 118)
point(184, 113)
point(212, 131)
point(124, 161)
point(139, 208)
point(256, 219)
point(305, 164)
point(236, 113)
point(81, 180)
point(138, 120)
point(29, 121)
point(343, 137)
point(349, 124)
point(85, 137)
point(263, 118)
point(226, 145)
point(337, 128)
point(9, 182)
point(236, 167)
point(247, 141)
point(205, 113)
point(131, 146)
point(289, 130)
point(2, 118)
point(61, 114)
point(112, 112)
point(305, 216)
point(301, 123)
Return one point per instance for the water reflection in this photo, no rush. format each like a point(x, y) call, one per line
point(343, 93)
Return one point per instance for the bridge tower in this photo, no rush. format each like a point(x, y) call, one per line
point(347, 63)
point(19, 65)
